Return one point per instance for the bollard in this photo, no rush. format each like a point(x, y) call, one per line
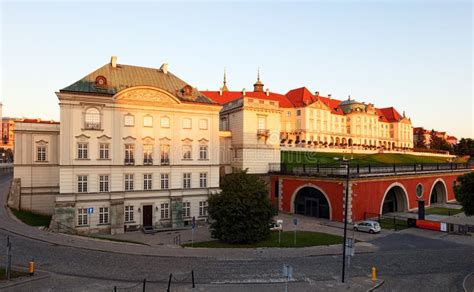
point(31, 267)
point(374, 274)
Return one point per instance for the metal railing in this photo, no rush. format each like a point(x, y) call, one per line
point(129, 161)
point(356, 170)
point(56, 226)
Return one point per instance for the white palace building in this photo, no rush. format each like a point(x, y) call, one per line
point(140, 147)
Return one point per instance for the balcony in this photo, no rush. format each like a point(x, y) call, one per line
point(129, 161)
point(263, 133)
point(92, 126)
point(165, 161)
point(148, 161)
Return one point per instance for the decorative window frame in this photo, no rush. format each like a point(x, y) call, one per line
point(125, 120)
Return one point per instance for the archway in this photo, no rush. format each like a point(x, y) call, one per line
point(438, 193)
point(310, 201)
point(350, 141)
point(337, 141)
point(395, 200)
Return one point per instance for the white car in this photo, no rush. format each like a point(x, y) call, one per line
point(368, 226)
point(277, 226)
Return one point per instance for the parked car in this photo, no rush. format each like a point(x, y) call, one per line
point(277, 226)
point(368, 226)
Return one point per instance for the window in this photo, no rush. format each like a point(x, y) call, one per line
point(41, 153)
point(203, 180)
point(288, 114)
point(298, 112)
point(147, 181)
point(128, 213)
point(203, 124)
point(203, 152)
point(82, 216)
point(103, 183)
point(82, 183)
point(103, 215)
point(187, 151)
point(165, 210)
point(187, 123)
point(129, 120)
point(262, 121)
point(186, 180)
point(129, 182)
point(92, 119)
point(104, 150)
point(165, 122)
point(186, 209)
point(203, 208)
point(82, 150)
point(165, 154)
point(147, 154)
point(164, 181)
point(129, 153)
point(148, 121)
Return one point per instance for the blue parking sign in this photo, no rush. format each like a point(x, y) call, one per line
point(295, 221)
point(90, 210)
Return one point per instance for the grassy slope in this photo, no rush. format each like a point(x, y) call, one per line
point(14, 274)
point(303, 238)
point(294, 157)
point(31, 218)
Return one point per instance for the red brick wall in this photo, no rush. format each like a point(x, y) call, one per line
point(367, 193)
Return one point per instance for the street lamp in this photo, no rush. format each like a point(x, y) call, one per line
point(345, 162)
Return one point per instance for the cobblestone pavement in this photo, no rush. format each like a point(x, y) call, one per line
point(403, 260)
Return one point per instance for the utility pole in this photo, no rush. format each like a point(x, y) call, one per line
point(8, 259)
point(346, 163)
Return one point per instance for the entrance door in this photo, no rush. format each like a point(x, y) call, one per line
point(312, 207)
point(147, 215)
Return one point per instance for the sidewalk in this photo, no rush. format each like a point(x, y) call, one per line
point(10, 225)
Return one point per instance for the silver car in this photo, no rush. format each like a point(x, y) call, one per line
point(368, 226)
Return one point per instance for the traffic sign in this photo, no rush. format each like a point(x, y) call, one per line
point(295, 221)
point(193, 223)
point(90, 210)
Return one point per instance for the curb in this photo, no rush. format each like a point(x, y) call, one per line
point(376, 286)
point(25, 279)
point(464, 281)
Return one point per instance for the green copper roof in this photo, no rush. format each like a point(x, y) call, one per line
point(126, 76)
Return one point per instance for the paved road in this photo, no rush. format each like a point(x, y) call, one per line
point(406, 261)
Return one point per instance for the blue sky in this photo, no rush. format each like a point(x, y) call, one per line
point(416, 56)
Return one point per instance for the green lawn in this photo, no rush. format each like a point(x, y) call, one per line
point(32, 218)
point(303, 239)
point(442, 211)
point(300, 157)
point(388, 223)
point(14, 274)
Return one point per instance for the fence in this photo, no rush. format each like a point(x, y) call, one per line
point(363, 170)
point(186, 278)
point(389, 221)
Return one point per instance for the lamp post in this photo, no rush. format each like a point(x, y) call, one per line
point(346, 164)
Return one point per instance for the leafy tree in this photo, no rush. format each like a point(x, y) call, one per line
point(465, 147)
point(464, 190)
point(242, 211)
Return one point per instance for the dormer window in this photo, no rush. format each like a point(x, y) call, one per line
point(92, 119)
point(100, 81)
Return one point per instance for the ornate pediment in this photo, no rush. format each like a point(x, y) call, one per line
point(41, 142)
point(104, 137)
point(151, 96)
point(82, 137)
point(148, 139)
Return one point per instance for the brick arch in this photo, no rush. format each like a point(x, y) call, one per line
point(293, 196)
point(395, 184)
point(432, 188)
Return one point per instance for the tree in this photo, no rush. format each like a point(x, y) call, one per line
point(464, 190)
point(465, 147)
point(242, 211)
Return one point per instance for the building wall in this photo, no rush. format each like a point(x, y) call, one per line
point(367, 195)
point(39, 180)
point(114, 132)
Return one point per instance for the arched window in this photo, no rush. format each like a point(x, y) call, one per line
point(92, 119)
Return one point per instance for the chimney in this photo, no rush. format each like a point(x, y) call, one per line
point(267, 92)
point(220, 92)
point(316, 94)
point(243, 92)
point(329, 96)
point(113, 61)
point(164, 68)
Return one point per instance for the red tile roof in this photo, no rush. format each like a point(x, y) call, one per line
point(228, 96)
point(296, 98)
